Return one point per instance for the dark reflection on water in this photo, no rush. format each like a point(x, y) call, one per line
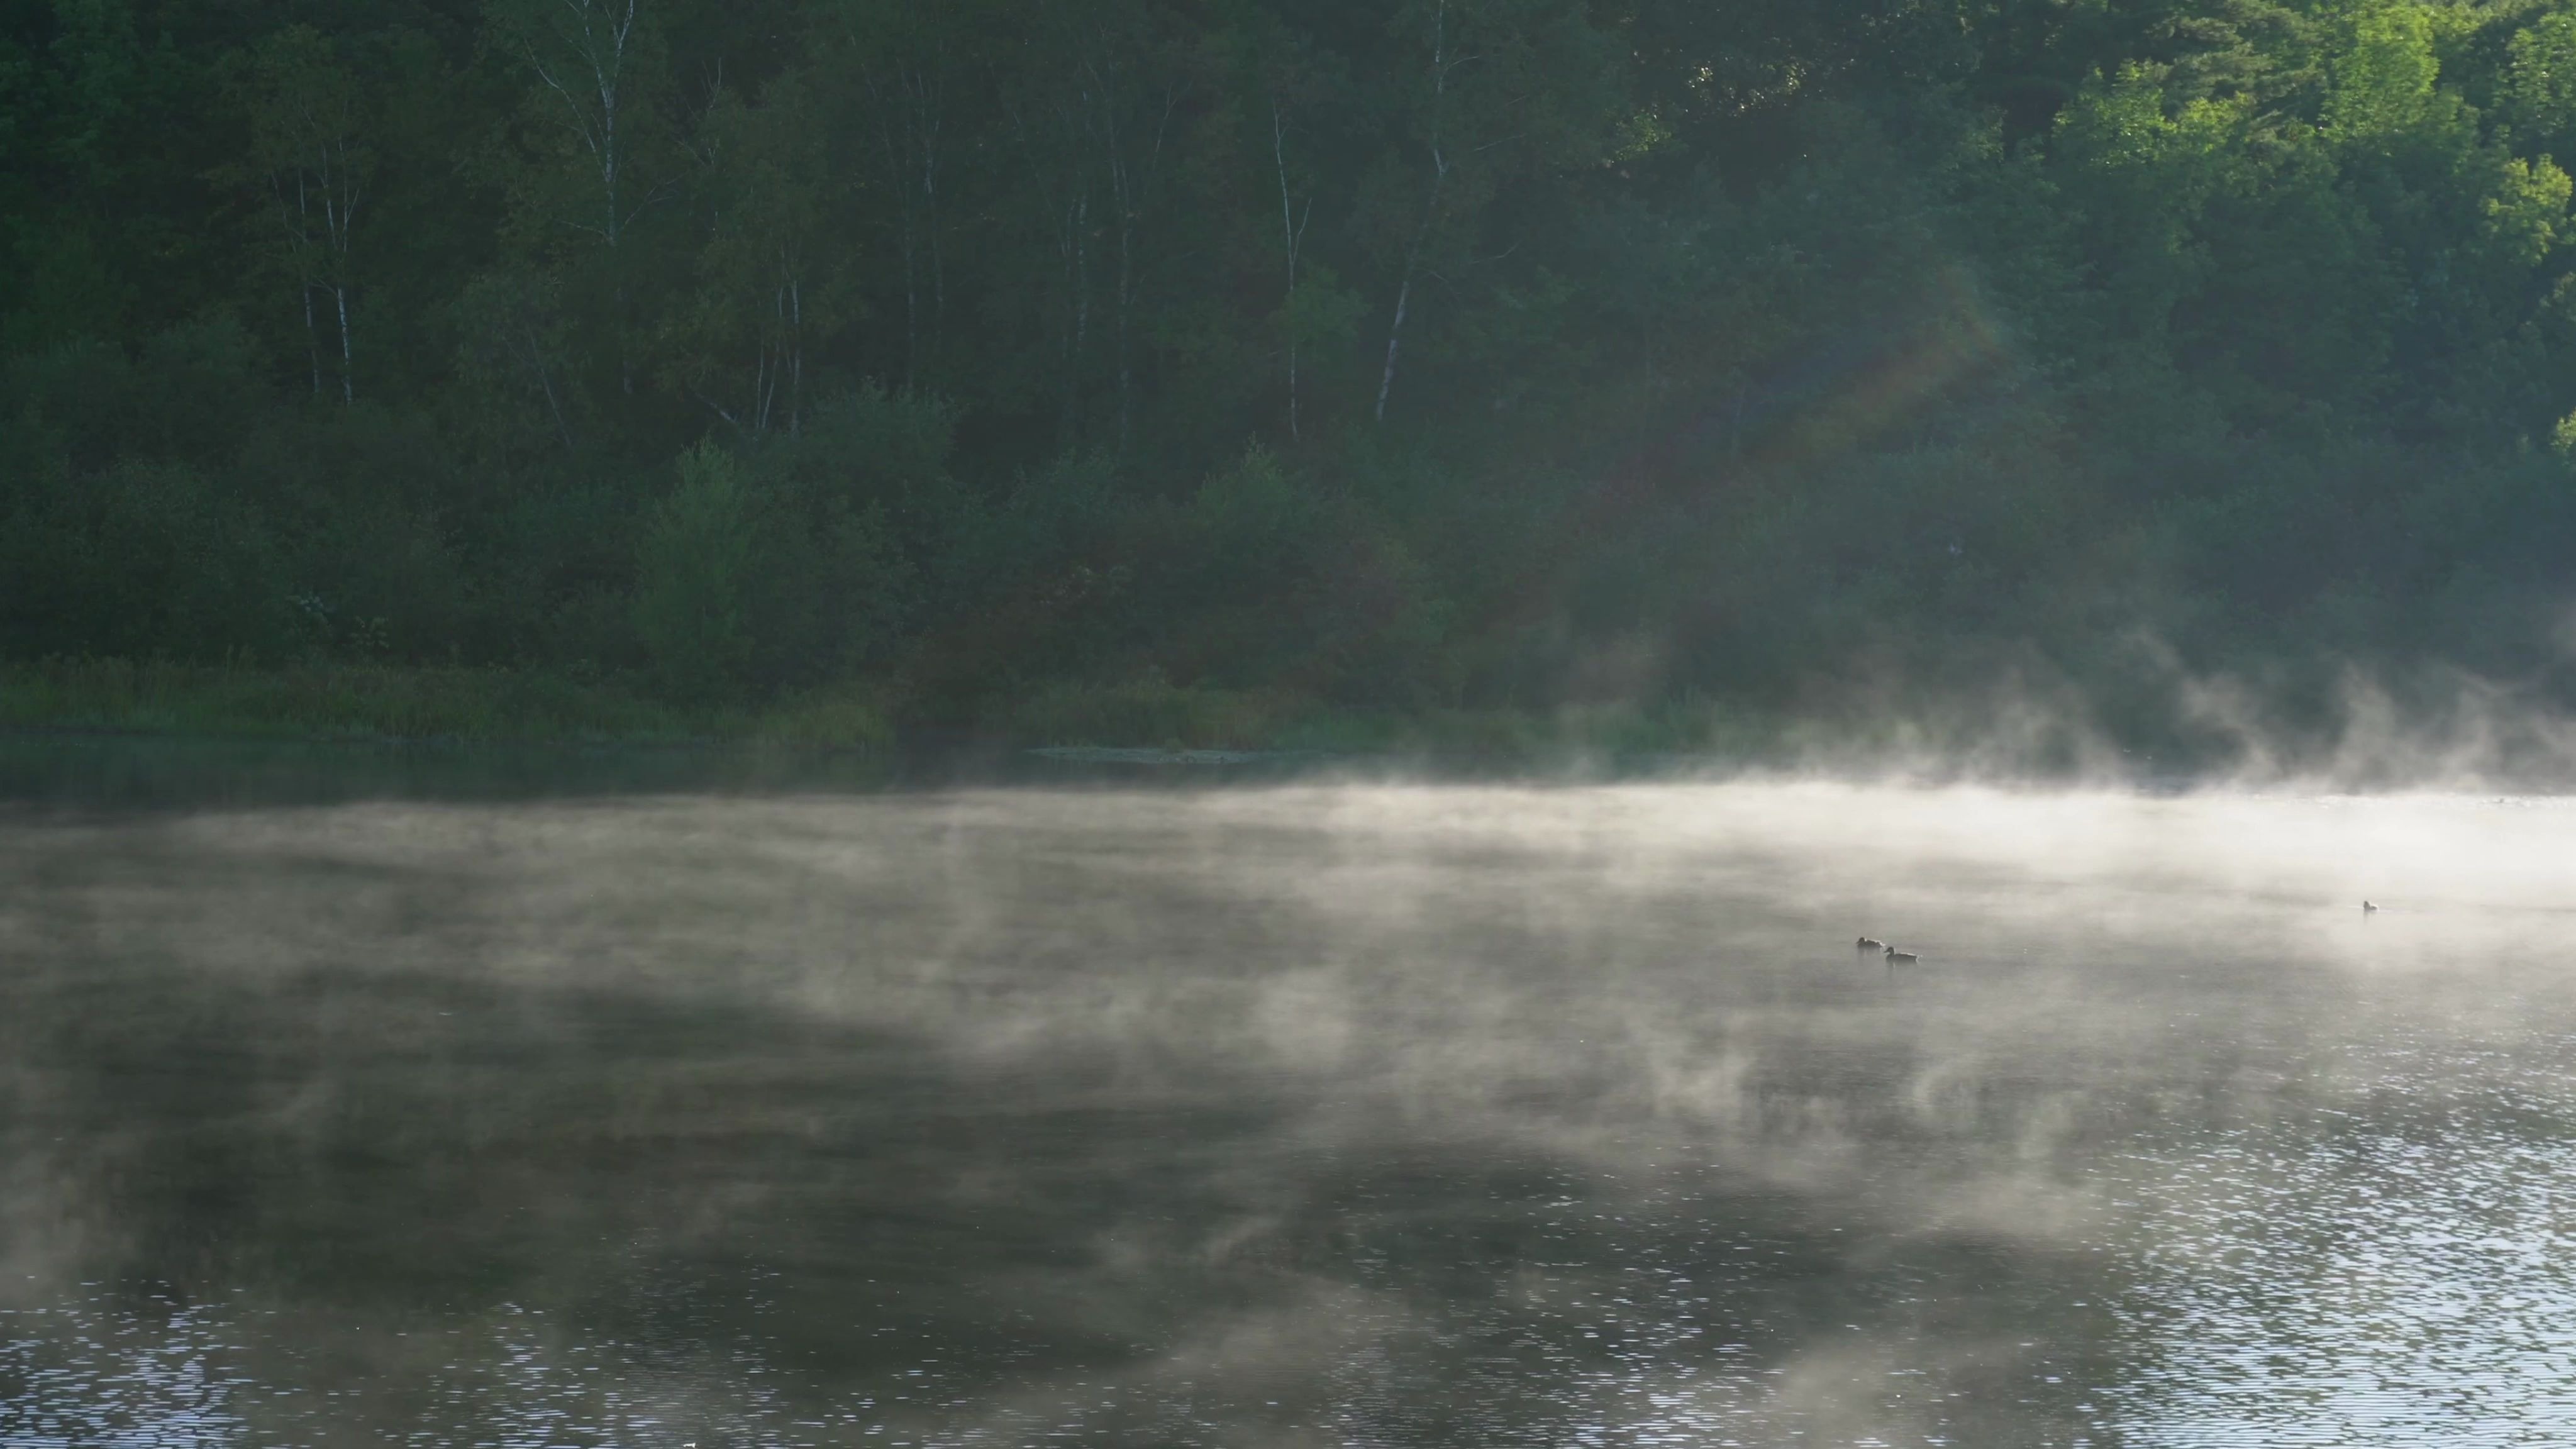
point(1306, 1116)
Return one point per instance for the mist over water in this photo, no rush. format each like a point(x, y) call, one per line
point(1310, 1115)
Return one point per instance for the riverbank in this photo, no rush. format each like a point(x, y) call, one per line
point(367, 702)
point(1148, 721)
point(526, 725)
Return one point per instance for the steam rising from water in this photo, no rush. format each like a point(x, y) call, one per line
point(2429, 727)
point(1319, 1115)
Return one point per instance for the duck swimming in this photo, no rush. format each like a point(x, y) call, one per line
point(1869, 943)
point(1894, 956)
point(2367, 908)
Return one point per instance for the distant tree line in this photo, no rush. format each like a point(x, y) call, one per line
point(1399, 356)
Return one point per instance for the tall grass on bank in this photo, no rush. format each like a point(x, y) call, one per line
point(365, 701)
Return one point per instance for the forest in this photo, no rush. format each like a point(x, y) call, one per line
point(1244, 371)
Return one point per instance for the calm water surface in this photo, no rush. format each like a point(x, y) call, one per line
point(1297, 1116)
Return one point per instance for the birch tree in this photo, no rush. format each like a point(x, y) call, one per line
point(1092, 97)
point(309, 153)
point(585, 55)
point(1498, 90)
point(905, 60)
point(1293, 218)
point(1288, 91)
point(765, 293)
point(513, 349)
point(1435, 145)
point(1138, 82)
point(1047, 99)
point(595, 68)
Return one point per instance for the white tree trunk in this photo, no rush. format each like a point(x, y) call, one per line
point(1430, 205)
point(1292, 229)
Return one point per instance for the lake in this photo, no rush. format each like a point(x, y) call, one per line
point(1301, 1115)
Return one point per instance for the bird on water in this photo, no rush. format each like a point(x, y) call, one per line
point(1894, 955)
point(1869, 943)
point(2367, 908)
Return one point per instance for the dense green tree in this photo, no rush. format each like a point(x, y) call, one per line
point(1460, 353)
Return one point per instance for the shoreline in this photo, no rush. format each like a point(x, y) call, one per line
point(1142, 725)
point(407, 704)
point(1090, 731)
